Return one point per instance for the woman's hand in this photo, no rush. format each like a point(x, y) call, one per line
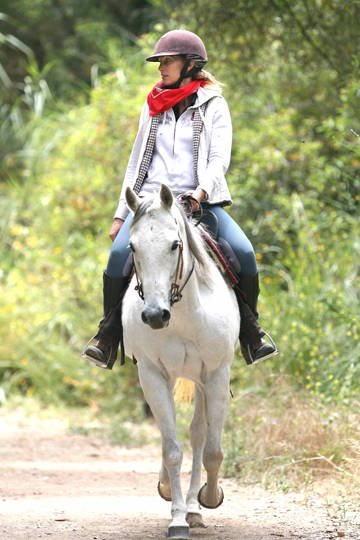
point(118, 223)
point(199, 195)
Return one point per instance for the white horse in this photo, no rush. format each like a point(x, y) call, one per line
point(197, 341)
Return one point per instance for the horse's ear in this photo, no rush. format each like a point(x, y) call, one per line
point(132, 200)
point(166, 197)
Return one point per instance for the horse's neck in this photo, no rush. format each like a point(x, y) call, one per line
point(191, 295)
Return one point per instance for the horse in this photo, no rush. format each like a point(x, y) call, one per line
point(181, 320)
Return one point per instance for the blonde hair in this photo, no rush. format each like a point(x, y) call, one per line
point(211, 82)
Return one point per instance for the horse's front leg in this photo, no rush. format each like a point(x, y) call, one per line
point(197, 442)
point(159, 395)
point(217, 404)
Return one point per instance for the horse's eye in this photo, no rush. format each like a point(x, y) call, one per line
point(175, 245)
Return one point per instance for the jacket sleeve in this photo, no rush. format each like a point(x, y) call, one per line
point(122, 211)
point(219, 154)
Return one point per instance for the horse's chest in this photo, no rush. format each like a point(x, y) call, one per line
point(196, 336)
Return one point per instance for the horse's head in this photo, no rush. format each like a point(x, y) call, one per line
point(157, 245)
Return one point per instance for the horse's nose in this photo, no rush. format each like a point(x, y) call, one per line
point(156, 317)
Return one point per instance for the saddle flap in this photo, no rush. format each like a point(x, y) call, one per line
point(210, 221)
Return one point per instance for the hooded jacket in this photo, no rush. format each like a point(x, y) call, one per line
point(214, 150)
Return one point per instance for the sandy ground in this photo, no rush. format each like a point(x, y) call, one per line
point(70, 487)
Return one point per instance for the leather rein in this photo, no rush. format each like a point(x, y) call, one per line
point(176, 290)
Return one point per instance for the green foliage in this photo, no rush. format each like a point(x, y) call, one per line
point(73, 36)
point(54, 231)
point(294, 179)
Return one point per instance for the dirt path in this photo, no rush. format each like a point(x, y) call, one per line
point(71, 487)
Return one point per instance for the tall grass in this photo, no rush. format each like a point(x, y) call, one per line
point(289, 438)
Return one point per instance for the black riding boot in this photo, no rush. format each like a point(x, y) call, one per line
point(110, 333)
point(254, 349)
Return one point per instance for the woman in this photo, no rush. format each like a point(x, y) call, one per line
point(184, 141)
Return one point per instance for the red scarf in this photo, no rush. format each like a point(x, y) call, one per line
point(162, 99)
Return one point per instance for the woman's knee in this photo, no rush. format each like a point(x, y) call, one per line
point(120, 263)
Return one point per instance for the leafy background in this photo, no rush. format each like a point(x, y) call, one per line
point(72, 83)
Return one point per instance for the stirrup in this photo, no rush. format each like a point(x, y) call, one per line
point(275, 351)
point(109, 362)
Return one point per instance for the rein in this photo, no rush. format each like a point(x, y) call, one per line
point(176, 290)
point(186, 199)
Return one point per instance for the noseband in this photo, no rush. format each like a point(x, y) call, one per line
point(176, 290)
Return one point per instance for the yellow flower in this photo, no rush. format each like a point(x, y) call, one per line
point(17, 230)
point(103, 258)
point(58, 250)
point(33, 279)
point(24, 361)
point(32, 241)
point(17, 245)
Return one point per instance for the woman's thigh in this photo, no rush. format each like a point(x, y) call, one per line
point(230, 231)
point(120, 259)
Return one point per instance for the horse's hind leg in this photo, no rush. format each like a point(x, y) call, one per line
point(159, 395)
point(217, 403)
point(197, 442)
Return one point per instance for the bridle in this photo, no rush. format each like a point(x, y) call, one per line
point(176, 290)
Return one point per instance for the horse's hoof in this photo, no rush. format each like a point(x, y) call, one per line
point(206, 505)
point(194, 520)
point(162, 495)
point(178, 533)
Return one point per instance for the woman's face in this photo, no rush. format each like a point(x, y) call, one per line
point(170, 68)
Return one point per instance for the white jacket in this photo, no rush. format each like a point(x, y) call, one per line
point(214, 150)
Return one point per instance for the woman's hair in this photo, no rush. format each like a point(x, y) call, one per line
point(211, 82)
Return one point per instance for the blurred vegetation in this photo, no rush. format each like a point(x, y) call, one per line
point(72, 87)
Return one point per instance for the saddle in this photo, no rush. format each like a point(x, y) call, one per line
point(219, 249)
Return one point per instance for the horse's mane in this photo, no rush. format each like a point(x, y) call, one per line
point(194, 235)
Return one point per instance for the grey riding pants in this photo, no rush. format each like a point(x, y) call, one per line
point(242, 253)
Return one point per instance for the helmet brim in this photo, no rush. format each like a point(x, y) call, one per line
point(155, 58)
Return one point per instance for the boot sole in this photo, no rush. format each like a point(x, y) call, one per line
point(265, 357)
point(95, 361)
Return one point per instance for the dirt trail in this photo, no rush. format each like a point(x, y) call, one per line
point(71, 487)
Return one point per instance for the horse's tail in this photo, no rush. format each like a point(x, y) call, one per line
point(183, 392)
